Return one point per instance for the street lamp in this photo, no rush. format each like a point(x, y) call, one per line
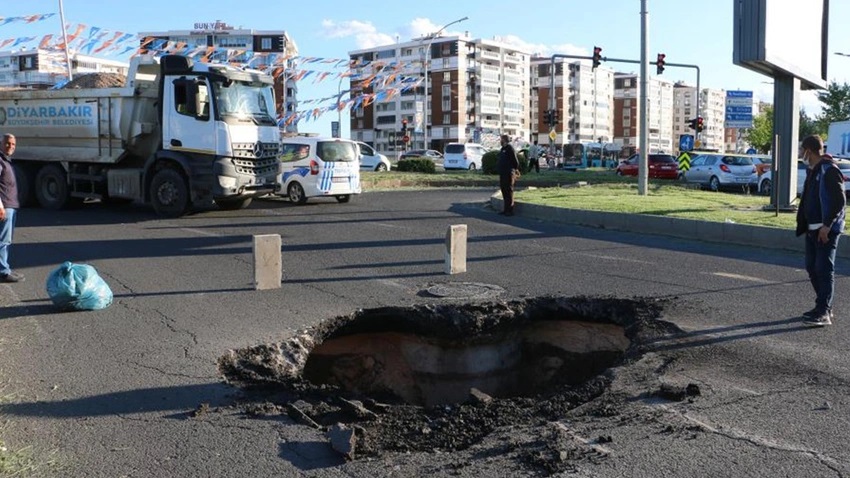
point(427, 60)
point(338, 106)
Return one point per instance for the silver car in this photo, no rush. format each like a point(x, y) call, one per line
point(717, 171)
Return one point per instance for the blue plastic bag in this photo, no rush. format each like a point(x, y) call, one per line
point(78, 287)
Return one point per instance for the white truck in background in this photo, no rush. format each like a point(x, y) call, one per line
point(178, 135)
point(838, 139)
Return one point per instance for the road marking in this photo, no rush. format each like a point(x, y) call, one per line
point(729, 275)
point(198, 231)
point(612, 258)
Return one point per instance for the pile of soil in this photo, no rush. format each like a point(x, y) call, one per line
point(384, 423)
point(96, 80)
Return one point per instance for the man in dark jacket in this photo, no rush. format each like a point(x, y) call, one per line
point(8, 207)
point(820, 217)
point(508, 167)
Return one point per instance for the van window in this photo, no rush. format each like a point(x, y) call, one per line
point(454, 149)
point(333, 151)
point(294, 152)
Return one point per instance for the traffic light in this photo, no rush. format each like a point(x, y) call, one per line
point(692, 124)
point(557, 116)
point(597, 56)
point(700, 124)
point(659, 63)
point(404, 126)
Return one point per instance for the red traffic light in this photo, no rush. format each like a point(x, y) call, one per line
point(597, 56)
point(404, 121)
point(659, 63)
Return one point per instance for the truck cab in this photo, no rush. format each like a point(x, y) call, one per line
point(179, 135)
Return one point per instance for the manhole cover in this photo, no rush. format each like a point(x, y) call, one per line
point(464, 290)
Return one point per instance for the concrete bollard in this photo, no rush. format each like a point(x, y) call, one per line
point(456, 249)
point(268, 270)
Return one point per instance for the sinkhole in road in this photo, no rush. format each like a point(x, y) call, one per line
point(437, 354)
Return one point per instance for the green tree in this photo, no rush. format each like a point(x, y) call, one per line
point(836, 105)
point(761, 134)
point(810, 126)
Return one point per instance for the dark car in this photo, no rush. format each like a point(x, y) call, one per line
point(661, 166)
point(433, 155)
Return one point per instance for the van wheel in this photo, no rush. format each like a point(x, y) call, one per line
point(343, 198)
point(381, 167)
point(472, 167)
point(296, 193)
point(51, 187)
point(169, 193)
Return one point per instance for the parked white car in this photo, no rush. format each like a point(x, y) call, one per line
point(371, 160)
point(463, 156)
point(716, 171)
point(766, 180)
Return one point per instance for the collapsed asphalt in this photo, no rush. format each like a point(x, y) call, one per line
point(365, 417)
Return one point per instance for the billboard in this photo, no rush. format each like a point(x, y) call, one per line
point(783, 37)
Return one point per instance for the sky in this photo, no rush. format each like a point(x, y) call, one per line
point(686, 32)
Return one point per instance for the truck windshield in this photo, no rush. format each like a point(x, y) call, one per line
point(240, 102)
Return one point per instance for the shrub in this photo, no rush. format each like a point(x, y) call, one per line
point(417, 165)
point(490, 161)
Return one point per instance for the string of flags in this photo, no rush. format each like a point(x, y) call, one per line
point(387, 79)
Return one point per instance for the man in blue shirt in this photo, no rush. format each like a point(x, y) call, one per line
point(820, 217)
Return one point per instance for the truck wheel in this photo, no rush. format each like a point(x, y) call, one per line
point(24, 179)
point(343, 198)
point(233, 204)
point(51, 187)
point(169, 193)
point(296, 193)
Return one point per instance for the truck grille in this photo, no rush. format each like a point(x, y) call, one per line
point(257, 150)
point(258, 167)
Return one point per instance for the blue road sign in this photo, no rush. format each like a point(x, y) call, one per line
point(752, 151)
point(686, 142)
point(739, 109)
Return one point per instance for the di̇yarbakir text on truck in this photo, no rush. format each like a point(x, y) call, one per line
point(180, 135)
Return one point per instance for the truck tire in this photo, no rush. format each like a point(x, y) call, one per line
point(51, 187)
point(343, 198)
point(169, 193)
point(26, 189)
point(233, 204)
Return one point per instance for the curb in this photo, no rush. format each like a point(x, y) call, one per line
point(719, 232)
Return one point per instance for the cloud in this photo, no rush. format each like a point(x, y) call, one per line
point(365, 34)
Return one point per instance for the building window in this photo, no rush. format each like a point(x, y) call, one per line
point(266, 43)
point(627, 122)
point(447, 105)
point(447, 76)
point(447, 133)
point(447, 118)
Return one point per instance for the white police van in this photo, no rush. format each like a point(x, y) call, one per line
point(313, 166)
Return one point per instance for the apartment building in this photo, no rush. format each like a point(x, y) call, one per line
point(712, 109)
point(219, 34)
point(477, 89)
point(584, 101)
point(40, 68)
point(627, 112)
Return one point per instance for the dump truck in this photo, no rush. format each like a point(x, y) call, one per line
point(179, 135)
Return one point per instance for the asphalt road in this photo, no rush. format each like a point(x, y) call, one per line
point(111, 393)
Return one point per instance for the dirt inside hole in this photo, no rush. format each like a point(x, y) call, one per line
point(532, 359)
point(403, 378)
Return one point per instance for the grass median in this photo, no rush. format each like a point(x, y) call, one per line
point(605, 191)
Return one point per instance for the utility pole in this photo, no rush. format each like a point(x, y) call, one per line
point(643, 162)
point(65, 40)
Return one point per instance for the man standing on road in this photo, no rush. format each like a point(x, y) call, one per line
point(508, 167)
point(8, 207)
point(820, 216)
point(533, 157)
